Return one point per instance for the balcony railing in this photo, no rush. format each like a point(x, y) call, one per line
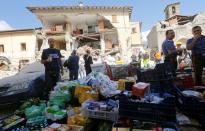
point(55, 29)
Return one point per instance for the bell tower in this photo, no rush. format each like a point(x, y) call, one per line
point(172, 10)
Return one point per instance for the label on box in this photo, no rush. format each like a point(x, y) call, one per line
point(141, 85)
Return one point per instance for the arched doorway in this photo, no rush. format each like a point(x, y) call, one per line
point(4, 63)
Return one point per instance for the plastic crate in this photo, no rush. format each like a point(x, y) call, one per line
point(98, 68)
point(190, 105)
point(150, 112)
point(201, 119)
point(104, 115)
point(116, 72)
point(185, 81)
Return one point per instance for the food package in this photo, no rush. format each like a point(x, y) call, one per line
point(81, 89)
point(140, 89)
point(63, 95)
point(55, 113)
point(57, 127)
point(104, 85)
point(37, 121)
point(73, 111)
point(59, 98)
point(65, 85)
point(77, 120)
point(75, 128)
point(88, 96)
point(10, 122)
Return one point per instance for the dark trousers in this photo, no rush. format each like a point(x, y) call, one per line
point(198, 63)
point(171, 63)
point(51, 78)
point(73, 75)
point(88, 70)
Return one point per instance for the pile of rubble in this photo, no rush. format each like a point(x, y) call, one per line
point(7, 73)
point(95, 53)
point(97, 56)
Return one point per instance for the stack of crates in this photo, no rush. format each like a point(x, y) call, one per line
point(149, 112)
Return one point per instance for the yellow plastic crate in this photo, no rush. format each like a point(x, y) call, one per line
point(121, 83)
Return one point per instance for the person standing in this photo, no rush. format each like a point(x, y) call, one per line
point(170, 52)
point(88, 61)
point(73, 65)
point(51, 58)
point(197, 46)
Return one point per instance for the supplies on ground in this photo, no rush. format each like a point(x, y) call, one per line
point(106, 86)
point(106, 110)
point(78, 119)
point(140, 89)
point(98, 101)
point(182, 119)
point(63, 127)
point(10, 122)
point(34, 110)
point(55, 113)
point(124, 84)
point(37, 123)
point(191, 93)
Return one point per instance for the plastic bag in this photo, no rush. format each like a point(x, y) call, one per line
point(34, 110)
point(104, 85)
point(59, 98)
point(60, 95)
point(57, 102)
point(65, 86)
point(55, 113)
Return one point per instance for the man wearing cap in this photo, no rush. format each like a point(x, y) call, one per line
point(197, 46)
point(51, 58)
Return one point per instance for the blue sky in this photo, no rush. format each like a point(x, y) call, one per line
point(146, 11)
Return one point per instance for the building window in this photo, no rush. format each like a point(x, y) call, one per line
point(114, 18)
point(134, 30)
point(1, 48)
point(23, 46)
point(173, 10)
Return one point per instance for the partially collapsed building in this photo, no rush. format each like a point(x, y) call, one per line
point(101, 27)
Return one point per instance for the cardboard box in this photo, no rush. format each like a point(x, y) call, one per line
point(140, 89)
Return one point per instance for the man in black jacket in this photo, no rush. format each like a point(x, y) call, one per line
point(51, 58)
point(88, 61)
